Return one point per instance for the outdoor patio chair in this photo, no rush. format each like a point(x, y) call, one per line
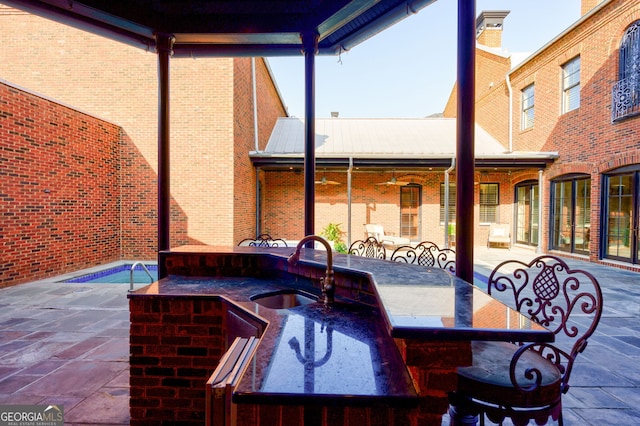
point(377, 232)
point(370, 247)
point(526, 381)
point(499, 233)
point(426, 254)
point(263, 240)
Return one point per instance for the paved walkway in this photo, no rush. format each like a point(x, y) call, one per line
point(68, 344)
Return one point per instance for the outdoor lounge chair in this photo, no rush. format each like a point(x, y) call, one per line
point(499, 233)
point(377, 232)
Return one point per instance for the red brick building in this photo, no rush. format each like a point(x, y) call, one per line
point(100, 130)
point(578, 96)
point(574, 103)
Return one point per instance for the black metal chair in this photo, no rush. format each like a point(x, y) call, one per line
point(263, 240)
point(426, 254)
point(526, 381)
point(368, 248)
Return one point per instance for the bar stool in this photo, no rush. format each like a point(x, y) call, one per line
point(526, 381)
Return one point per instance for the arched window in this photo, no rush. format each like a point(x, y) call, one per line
point(626, 92)
point(630, 53)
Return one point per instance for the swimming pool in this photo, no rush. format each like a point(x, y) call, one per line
point(118, 275)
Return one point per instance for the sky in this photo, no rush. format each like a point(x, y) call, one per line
point(409, 69)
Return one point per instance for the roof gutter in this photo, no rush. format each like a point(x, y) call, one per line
point(583, 18)
point(507, 161)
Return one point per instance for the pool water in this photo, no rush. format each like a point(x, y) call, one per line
point(118, 275)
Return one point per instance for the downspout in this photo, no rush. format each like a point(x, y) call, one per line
point(255, 103)
point(256, 141)
point(508, 81)
point(446, 202)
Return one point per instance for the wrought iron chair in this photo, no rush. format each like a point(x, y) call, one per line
point(426, 254)
point(368, 248)
point(526, 381)
point(263, 240)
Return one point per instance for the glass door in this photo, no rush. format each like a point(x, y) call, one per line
point(409, 212)
point(571, 215)
point(621, 234)
point(527, 204)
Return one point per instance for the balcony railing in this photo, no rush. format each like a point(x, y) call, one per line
point(626, 98)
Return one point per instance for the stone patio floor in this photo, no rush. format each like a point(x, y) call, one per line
point(68, 344)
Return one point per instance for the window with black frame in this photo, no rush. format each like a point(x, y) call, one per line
point(489, 201)
point(452, 203)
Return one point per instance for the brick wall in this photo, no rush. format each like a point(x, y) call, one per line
point(283, 213)
point(59, 188)
point(269, 108)
point(175, 344)
point(211, 127)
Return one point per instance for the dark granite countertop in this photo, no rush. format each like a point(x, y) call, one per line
point(312, 351)
point(418, 302)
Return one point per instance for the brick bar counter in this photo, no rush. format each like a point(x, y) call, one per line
point(384, 353)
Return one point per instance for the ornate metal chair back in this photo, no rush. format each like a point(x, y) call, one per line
point(564, 300)
point(263, 240)
point(368, 248)
point(426, 254)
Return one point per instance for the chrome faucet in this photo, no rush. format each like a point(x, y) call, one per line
point(327, 283)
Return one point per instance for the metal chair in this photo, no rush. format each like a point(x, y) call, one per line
point(525, 381)
point(263, 240)
point(368, 248)
point(426, 254)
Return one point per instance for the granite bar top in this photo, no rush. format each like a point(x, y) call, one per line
point(418, 302)
point(310, 353)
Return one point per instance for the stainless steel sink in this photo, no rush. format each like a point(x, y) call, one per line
point(284, 299)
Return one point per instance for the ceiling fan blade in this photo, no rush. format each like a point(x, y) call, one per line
point(327, 182)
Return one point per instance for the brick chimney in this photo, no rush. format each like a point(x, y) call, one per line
point(588, 5)
point(489, 27)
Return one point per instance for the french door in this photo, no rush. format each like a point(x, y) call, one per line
point(622, 213)
point(527, 204)
point(571, 214)
point(410, 196)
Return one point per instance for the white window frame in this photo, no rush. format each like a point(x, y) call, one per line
point(571, 85)
point(528, 107)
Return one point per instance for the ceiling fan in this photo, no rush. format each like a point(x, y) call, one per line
point(325, 181)
point(394, 181)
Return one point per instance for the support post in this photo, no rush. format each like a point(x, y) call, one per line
point(164, 47)
point(540, 206)
point(310, 48)
point(465, 151)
